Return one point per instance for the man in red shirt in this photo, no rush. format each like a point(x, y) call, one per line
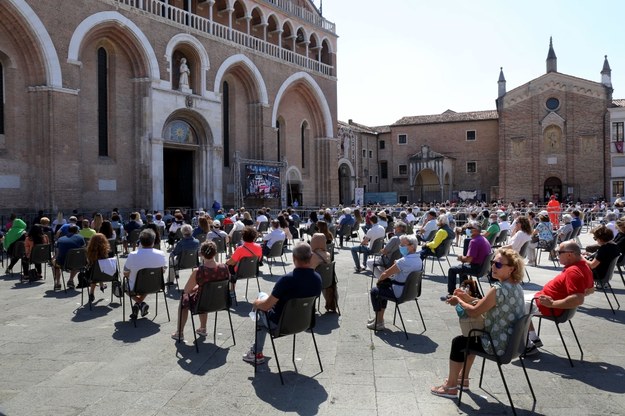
point(565, 291)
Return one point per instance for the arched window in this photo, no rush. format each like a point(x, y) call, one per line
point(1, 99)
point(303, 143)
point(103, 105)
point(179, 131)
point(226, 123)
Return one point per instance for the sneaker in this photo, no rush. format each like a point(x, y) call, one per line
point(370, 321)
point(70, 284)
point(531, 350)
point(379, 327)
point(249, 357)
point(135, 311)
point(537, 342)
point(144, 309)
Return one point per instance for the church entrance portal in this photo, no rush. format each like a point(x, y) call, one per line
point(178, 177)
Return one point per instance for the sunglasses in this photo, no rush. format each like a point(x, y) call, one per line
point(498, 264)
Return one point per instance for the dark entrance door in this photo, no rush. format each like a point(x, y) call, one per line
point(178, 178)
point(553, 186)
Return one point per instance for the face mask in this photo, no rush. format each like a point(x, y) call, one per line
point(404, 250)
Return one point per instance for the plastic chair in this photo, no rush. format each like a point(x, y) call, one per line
point(501, 238)
point(376, 249)
point(220, 243)
point(75, 259)
point(40, 254)
point(298, 315)
point(484, 269)
point(275, 251)
point(604, 283)
point(515, 349)
point(327, 273)
point(214, 297)
point(395, 255)
point(188, 259)
point(98, 276)
point(523, 254)
point(246, 269)
point(148, 281)
point(412, 290)
point(566, 315)
point(442, 251)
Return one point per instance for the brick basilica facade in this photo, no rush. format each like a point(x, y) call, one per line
point(162, 103)
point(551, 135)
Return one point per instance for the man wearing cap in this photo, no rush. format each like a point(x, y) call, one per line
point(344, 225)
point(64, 230)
point(376, 231)
point(428, 228)
point(479, 249)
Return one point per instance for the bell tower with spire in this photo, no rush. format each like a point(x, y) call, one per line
point(552, 60)
point(606, 73)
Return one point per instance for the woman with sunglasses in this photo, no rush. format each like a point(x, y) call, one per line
point(502, 306)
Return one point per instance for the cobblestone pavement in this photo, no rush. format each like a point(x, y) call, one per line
point(60, 358)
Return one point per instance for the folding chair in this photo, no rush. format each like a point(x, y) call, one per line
point(298, 315)
point(327, 273)
point(566, 315)
point(275, 251)
point(148, 281)
point(98, 276)
point(412, 290)
point(604, 283)
point(246, 269)
point(40, 254)
point(515, 349)
point(214, 297)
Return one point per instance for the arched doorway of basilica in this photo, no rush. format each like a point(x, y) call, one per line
point(346, 190)
point(179, 155)
point(552, 186)
point(427, 187)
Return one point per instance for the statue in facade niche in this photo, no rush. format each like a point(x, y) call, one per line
point(184, 74)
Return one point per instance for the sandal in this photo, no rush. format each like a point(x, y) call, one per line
point(201, 332)
point(465, 387)
point(177, 336)
point(443, 391)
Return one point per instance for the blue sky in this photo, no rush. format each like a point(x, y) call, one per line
point(414, 57)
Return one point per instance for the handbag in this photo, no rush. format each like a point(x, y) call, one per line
point(467, 323)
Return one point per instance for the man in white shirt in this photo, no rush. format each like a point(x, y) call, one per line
point(260, 218)
point(276, 234)
point(503, 222)
point(430, 227)
point(410, 218)
point(146, 257)
point(376, 231)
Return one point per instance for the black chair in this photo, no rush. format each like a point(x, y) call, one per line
point(548, 247)
point(220, 243)
point(75, 259)
point(214, 297)
point(376, 249)
point(523, 254)
point(148, 281)
point(603, 284)
point(96, 275)
point(114, 252)
point(263, 227)
point(188, 259)
point(298, 315)
point(442, 251)
point(345, 231)
point(355, 230)
point(18, 252)
point(327, 273)
point(412, 290)
point(275, 251)
point(133, 238)
point(501, 238)
point(40, 254)
point(566, 315)
point(484, 269)
point(395, 255)
point(620, 264)
point(515, 349)
point(247, 268)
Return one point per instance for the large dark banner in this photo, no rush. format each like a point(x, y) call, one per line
point(262, 181)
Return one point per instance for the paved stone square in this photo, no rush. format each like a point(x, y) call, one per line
point(59, 358)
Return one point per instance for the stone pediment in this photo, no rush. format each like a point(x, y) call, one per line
point(427, 154)
point(554, 81)
point(552, 118)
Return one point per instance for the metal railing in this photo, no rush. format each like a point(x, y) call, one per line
point(204, 25)
point(304, 14)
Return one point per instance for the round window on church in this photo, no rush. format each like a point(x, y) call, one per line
point(552, 103)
